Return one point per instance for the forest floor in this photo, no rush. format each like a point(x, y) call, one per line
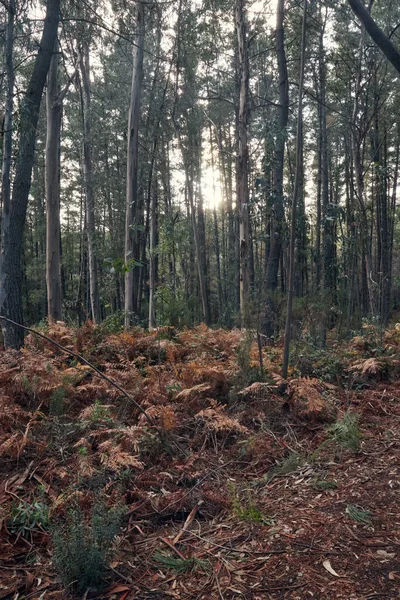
point(244, 487)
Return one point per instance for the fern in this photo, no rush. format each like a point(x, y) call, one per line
point(346, 432)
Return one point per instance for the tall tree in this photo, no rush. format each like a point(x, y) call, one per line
point(380, 39)
point(84, 65)
point(296, 193)
point(11, 273)
point(53, 240)
point(7, 140)
point(132, 200)
point(242, 174)
point(278, 213)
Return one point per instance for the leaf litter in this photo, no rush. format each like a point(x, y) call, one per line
point(250, 494)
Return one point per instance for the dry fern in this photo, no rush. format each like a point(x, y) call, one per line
point(308, 399)
point(371, 368)
point(216, 420)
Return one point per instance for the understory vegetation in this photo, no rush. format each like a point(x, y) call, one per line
point(210, 475)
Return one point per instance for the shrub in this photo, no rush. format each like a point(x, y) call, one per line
point(82, 549)
point(27, 517)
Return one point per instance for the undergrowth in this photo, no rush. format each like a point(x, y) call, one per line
point(83, 547)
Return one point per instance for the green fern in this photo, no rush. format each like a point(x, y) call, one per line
point(181, 565)
point(358, 514)
point(346, 432)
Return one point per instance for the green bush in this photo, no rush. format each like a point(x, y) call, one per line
point(83, 548)
point(27, 517)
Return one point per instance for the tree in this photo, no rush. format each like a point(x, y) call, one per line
point(86, 100)
point(242, 162)
point(11, 273)
point(380, 39)
point(278, 217)
point(53, 240)
point(132, 209)
point(296, 193)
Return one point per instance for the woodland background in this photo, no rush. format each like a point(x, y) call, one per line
point(198, 103)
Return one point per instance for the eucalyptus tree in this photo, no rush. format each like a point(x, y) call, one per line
point(132, 259)
point(11, 273)
point(53, 240)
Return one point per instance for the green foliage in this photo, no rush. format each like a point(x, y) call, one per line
point(100, 413)
point(113, 324)
point(56, 406)
point(181, 565)
point(27, 517)
point(358, 514)
point(286, 466)
point(244, 508)
point(327, 365)
point(83, 549)
point(325, 484)
point(346, 432)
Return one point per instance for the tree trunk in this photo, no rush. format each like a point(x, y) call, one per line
point(53, 246)
point(271, 279)
point(88, 179)
point(132, 200)
point(11, 274)
point(243, 163)
point(380, 39)
point(153, 274)
point(7, 142)
point(296, 193)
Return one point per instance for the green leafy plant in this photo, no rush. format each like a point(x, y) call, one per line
point(100, 412)
point(286, 466)
point(181, 565)
point(244, 508)
point(83, 548)
point(27, 517)
point(56, 406)
point(346, 432)
point(358, 514)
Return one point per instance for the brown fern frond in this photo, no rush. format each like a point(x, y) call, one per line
point(216, 420)
point(308, 399)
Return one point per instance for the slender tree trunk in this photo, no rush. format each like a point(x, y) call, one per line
point(7, 144)
point(53, 246)
point(296, 193)
point(243, 162)
point(153, 274)
point(11, 273)
point(88, 179)
point(278, 216)
point(132, 199)
point(380, 39)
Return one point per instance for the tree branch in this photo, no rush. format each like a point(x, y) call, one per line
point(376, 33)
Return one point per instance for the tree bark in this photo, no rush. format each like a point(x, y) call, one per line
point(376, 33)
point(7, 140)
point(278, 216)
point(243, 163)
point(88, 179)
point(53, 246)
point(11, 274)
point(132, 200)
point(296, 193)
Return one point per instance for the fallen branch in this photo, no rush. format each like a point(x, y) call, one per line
point(95, 369)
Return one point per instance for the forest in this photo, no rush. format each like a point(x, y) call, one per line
point(199, 296)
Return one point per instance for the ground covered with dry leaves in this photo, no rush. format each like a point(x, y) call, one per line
point(243, 487)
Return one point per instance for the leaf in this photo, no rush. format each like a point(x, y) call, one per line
point(329, 568)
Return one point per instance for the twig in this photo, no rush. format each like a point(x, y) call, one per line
point(95, 369)
point(172, 547)
point(187, 523)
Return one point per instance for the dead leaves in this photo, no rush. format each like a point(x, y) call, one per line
point(312, 399)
